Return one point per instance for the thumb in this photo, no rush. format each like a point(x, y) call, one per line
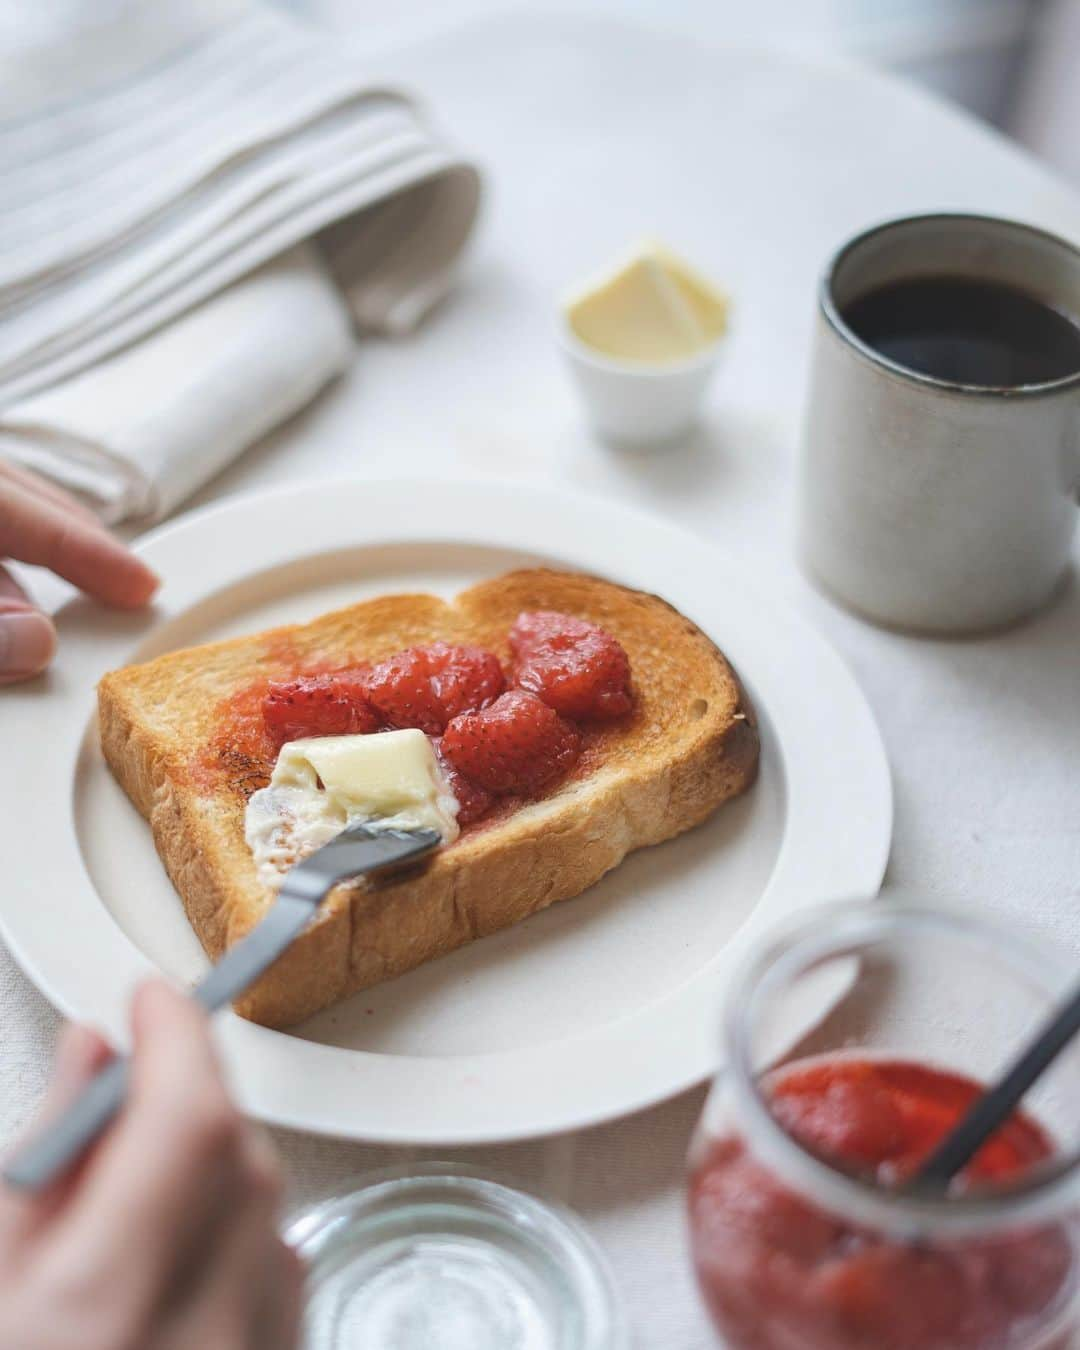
point(27, 637)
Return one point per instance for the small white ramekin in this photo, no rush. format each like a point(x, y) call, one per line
point(638, 403)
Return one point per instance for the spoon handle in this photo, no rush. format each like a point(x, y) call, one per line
point(997, 1104)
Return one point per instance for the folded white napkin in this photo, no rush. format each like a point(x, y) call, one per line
point(155, 157)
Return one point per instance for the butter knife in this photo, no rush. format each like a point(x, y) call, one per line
point(358, 851)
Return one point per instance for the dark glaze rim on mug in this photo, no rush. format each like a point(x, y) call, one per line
point(846, 334)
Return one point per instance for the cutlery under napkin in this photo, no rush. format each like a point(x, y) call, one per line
point(201, 201)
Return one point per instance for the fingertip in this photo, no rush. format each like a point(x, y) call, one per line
point(152, 583)
point(156, 1001)
point(170, 1033)
point(40, 530)
point(27, 641)
point(140, 586)
point(80, 1053)
point(80, 1050)
point(294, 1270)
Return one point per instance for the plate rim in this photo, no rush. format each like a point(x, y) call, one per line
point(523, 510)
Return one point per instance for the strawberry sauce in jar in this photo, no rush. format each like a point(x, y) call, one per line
point(802, 1232)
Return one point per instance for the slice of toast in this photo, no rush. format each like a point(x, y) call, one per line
point(690, 744)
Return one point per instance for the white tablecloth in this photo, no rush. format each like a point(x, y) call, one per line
point(757, 167)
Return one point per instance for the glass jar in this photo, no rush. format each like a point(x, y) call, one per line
point(804, 1235)
point(443, 1256)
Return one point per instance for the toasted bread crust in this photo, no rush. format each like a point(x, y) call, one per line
point(691, 744)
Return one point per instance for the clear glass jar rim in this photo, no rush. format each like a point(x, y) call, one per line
point(310, 1228)
point(840, 929)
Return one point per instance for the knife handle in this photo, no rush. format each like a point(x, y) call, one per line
point(53, 1149)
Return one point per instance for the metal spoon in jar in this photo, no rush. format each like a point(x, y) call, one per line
point(990, 1111)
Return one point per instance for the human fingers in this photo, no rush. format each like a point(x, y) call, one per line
point(154, 1193)
point(247, 1292)
point(165, 1171)
point(275, 1271)
point(277, 1324)
point(44, 487)
point(27, 637)
point(35, 530)
point(80, 1053)
point(232, 1311)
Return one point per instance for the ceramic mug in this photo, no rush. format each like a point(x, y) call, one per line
point(927, 504)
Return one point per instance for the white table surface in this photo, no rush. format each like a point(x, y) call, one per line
point(757, 167)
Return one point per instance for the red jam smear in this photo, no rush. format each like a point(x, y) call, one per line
point(778, 1272)
point(242, 750)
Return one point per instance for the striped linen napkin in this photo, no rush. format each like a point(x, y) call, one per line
point(187, 188)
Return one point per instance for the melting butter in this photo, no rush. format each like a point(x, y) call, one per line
point(321, 784)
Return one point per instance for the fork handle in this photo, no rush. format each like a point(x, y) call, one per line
point(72, 1132)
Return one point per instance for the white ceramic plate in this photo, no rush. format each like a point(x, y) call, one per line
point(591, 1009)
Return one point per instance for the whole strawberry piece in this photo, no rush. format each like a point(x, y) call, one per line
point(517, 745)
point(577, 668)
point(400, 689)
point(464, 678)
point(426, 686)
point(473, 800)
point(334, 704)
